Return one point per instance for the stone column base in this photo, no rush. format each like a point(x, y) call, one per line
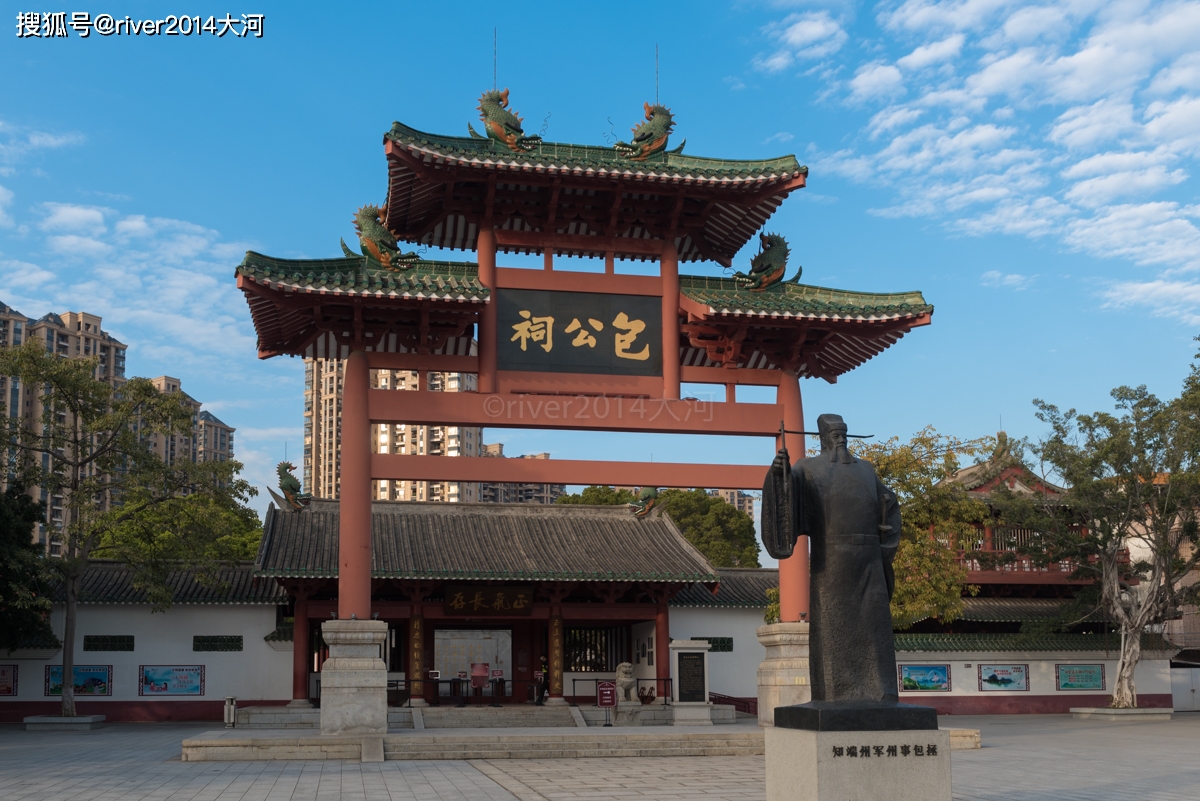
point(300, 703)
point(555, 700)
point(783, 675)
point(354, 678)
point(824, 765)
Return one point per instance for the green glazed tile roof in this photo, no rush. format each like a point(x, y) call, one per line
point(741, 588)
point(112, 583)
point(1023, 642)
point(468, 541)
point(555, 157)
point(442, 280)
point(722, 296)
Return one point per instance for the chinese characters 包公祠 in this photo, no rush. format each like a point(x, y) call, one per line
point(540, 331)
point(866, 751)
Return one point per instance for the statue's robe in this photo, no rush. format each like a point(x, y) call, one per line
point(854, 525)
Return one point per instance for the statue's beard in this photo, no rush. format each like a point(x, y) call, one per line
point(841, 454)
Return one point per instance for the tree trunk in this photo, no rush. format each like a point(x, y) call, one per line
point(1124, 689)
point(71, 608)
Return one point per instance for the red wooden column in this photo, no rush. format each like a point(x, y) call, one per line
point(300, 651)
point(486, 252)
point(793, 571)
point(662, 649)
point(669, 269)
point(354, 531)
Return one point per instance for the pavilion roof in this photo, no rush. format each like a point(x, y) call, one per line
point(443, 189)
point(480, 542)
point(841, 329)
point(722, 297)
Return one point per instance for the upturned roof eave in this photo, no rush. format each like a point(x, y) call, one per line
point(597, 162)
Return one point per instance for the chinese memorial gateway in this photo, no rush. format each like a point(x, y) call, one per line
point(555, 349)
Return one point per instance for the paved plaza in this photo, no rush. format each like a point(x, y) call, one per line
point(1025, 758)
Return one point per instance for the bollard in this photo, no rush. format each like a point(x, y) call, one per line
point(230, 711)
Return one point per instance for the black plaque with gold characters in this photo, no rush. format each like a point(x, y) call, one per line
point(691, 677)
point(468, 601)
point(578, 332)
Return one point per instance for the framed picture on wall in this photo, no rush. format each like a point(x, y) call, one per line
point(924, 678)
point(1003, 678)
point(8, 680)
point(90, 680)
point(171, 680)
point(1078, 677)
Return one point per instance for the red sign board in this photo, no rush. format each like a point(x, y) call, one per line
point(606, 694)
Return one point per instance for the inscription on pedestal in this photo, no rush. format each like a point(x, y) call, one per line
point(691, 677)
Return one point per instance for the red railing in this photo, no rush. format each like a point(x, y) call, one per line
point(747, 705)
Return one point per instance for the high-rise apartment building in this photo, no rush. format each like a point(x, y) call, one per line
point(742, 501)
point(517, 493)
point(323, 424)
point(209, 440)
point(72, 335)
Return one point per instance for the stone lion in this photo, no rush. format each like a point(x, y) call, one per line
point(626, 683)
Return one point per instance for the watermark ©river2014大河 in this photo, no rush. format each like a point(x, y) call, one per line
point(54, 25)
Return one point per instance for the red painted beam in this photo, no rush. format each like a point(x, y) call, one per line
point(406, 467)
point(577, 413)
point(573, 281)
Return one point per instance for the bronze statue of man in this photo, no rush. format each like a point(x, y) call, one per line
point(853, 522)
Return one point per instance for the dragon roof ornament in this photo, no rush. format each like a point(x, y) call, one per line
point(377, 243)
point(651, 136)
point(768, 267)
point(502, 125)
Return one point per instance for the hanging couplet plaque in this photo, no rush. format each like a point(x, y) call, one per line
point(578, 332)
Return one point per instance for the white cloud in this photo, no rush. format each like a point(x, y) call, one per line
point(1159, 233)
point(18, 143)
point(1073, 121)
point(1167, 298)
point(997, 280)
point(933, 15)
point(259, 434)
point(78, 246)
point(934, 53)
point(1184, 73)
point(73, 219)
point(781, 137)
point(1037, 22)
point(1087, 126)
point(1176, 124)
point(23, 275)
point(891, 118)
point(6, 199)
point(810, 35)
point(876, 80)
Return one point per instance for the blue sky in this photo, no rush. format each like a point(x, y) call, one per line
point(1029, 167)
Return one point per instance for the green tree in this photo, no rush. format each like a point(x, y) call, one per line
point(120, 500)
point(599, 496)
point(722, 533)
point(1128, 520)
point(938, 515)
point(24, 602)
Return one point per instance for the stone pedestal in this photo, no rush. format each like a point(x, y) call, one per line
point(627, 713)
point(354, 678)
point(783, 675)
point(685, 714)
point(901, 765)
